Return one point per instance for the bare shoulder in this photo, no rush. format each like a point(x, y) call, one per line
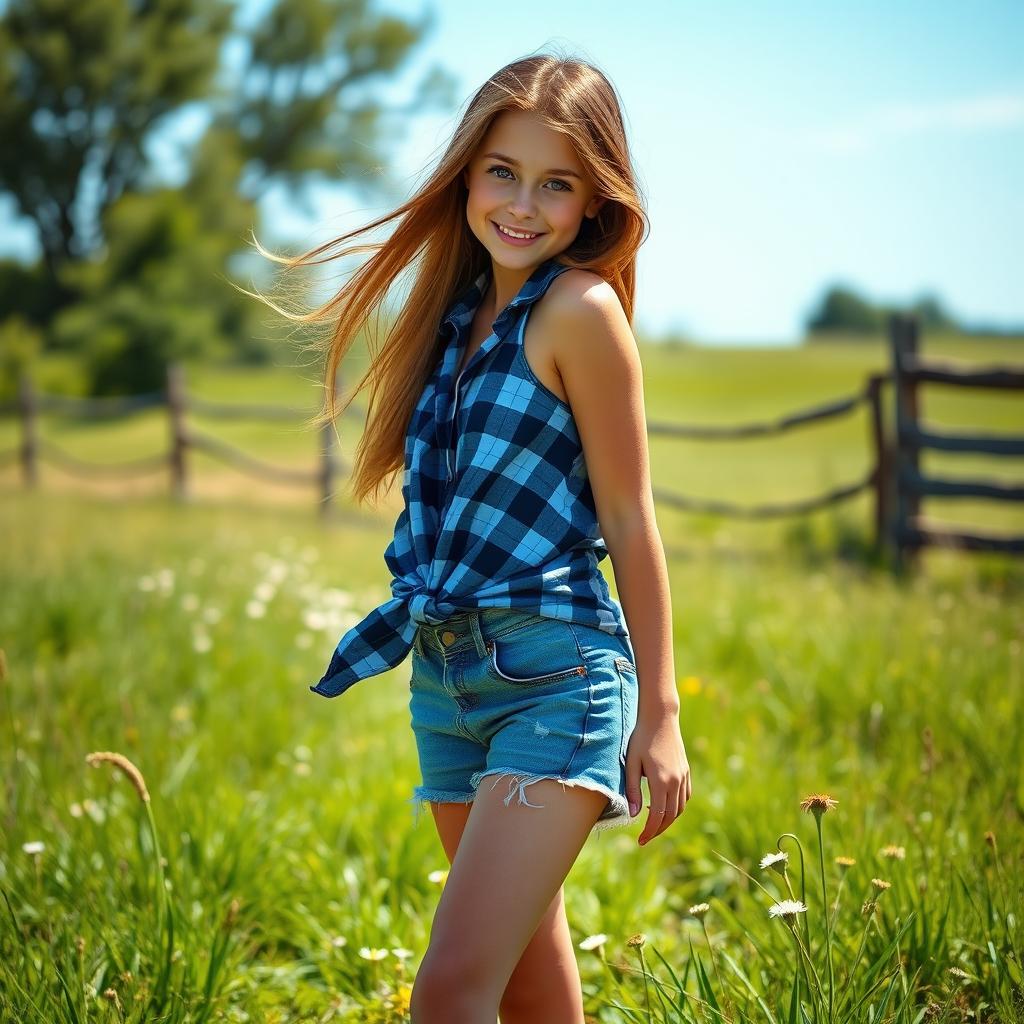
point(585, 319)
point(583, 293)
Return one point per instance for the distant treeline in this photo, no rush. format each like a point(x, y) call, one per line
point(844, 311)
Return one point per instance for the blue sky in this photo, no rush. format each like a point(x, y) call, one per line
point(781, 147)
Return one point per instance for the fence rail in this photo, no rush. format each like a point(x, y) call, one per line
point(184, 437)
point(895, 478)
point(911, 531)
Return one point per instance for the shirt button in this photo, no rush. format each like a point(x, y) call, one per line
point(447, 638)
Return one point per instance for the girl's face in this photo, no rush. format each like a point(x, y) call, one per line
point(527, 177)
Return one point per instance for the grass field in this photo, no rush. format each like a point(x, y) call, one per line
point(275, 873)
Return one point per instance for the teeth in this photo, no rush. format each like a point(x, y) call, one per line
point(515, 234)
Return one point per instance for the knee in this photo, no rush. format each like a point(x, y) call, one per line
point(450, 988)
point(530, 997)
point(519, 1001)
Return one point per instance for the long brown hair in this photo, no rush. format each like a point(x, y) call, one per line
point(570, 96)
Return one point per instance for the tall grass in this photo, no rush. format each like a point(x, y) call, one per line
point(275, 874)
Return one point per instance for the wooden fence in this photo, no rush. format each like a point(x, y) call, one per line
point(910, 531)
point(183, 436)
point(894, 477)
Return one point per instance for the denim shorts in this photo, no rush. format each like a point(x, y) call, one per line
point(500, 691)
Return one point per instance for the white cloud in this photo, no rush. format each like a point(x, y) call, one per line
point(895, 120)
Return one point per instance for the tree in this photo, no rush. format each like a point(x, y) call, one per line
point(932, 316)
point(843, 310)
point(85, 85)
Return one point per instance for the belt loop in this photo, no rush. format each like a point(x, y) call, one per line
point(478, 636)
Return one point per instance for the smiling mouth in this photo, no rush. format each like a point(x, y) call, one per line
point(515, 233)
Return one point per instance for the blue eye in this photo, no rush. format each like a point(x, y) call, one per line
point(566, 187)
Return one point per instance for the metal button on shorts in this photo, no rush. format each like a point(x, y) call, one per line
point(505, 692)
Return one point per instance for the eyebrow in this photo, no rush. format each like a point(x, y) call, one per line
point(551, 170)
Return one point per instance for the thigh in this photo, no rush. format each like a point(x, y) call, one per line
point(508, 868)
point(450, 821)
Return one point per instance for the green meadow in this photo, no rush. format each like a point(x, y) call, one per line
point(274, 871)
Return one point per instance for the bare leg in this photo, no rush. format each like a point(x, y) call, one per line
point(545, 987)
point(507, 872)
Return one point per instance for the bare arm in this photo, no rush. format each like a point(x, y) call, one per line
point(599, 364)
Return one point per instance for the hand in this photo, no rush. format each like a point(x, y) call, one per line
point(656, 750)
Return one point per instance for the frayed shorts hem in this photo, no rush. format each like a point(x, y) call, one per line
point(615, 816)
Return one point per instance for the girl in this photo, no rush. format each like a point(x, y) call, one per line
point(509, 390)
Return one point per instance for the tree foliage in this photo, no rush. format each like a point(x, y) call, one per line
point(135, 255)
point(843, 311)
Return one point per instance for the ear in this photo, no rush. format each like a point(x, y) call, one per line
point(594, 206)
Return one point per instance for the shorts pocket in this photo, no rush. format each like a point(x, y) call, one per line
point(629, 685)
point(535, 654)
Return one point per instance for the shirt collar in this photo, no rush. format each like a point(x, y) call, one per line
point(464, 307)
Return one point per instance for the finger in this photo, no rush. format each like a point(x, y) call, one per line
point(672, 807)
point(656, 812)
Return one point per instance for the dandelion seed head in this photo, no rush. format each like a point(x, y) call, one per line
point(593, 941)
point(881, 884)
point(371, 953)
point(893, 851)
point(338, 941)
point(958, 972)
point(699, 909)
point(439, 876)
point(845, 862)
point(35, 847)
point(401, 952)
point(636, 940)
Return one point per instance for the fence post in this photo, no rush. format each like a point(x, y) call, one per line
point(903, 345)
point(328, 459)
point(28, 408)
point(176, 407)
point(883, 465)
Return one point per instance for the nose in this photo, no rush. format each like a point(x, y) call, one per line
point(522, 204)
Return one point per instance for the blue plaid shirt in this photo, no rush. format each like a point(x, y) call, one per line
point(498, 507)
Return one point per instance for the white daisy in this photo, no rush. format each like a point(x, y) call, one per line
point(787, 909)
